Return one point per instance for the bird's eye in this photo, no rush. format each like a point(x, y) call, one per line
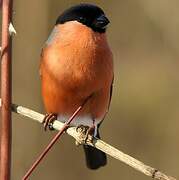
point(82, 19)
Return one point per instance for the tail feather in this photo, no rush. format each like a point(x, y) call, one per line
point(94, 157)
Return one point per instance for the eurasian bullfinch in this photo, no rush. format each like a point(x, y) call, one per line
point(77, 63)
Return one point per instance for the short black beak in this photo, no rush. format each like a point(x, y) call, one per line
point(101, 22)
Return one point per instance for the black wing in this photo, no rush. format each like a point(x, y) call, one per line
point(110, 97)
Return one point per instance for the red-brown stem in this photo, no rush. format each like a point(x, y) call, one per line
point(52, 142)
point(0, 3)
point(5, 144)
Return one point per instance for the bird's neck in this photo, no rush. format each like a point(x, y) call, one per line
point(73, 32)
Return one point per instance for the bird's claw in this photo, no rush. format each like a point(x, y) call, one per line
point(86, 134)
point(48, 121)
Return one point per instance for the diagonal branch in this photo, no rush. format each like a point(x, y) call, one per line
point(97, 143)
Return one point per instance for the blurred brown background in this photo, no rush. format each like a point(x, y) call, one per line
point(143, 118)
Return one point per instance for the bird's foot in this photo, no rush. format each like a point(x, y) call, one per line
point(86, 134)
point(48, 121)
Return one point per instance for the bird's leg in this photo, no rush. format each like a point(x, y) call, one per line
point(91, 130)
point(48, 121)
point(86, 132)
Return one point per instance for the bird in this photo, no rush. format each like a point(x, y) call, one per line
point(76, 64)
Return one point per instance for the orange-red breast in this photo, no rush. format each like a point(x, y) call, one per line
point(76, 63)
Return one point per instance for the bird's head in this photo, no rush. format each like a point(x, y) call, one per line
point(90, 15)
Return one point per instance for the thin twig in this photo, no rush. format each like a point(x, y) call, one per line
point(97, 143)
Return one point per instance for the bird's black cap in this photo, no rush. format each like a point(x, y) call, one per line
point(87, 14)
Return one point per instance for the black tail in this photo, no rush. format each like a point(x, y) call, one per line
point(94, 157)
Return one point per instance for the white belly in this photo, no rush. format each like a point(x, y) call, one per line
point(81, 120)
